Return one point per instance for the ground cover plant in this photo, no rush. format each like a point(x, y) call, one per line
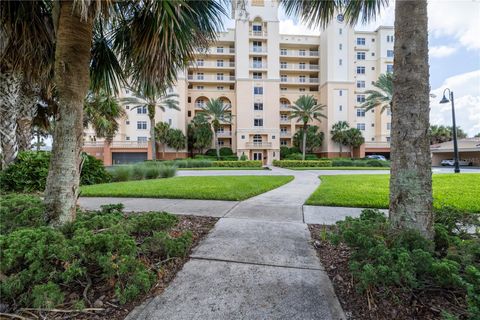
point(208, 187)
point(105, 259)
point(384, 273)
point(371, 191)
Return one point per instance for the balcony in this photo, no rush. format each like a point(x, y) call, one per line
point(258, 145)
point(212, 65)
point(299, 67)
point(285, 107)
point(257, 50)
point(224, 134)
point(299, 80)
point(298, 53)
point(261, 34)
point(216, 51)
point(285, 121)
point(285, 134)
point(211, 78)
point(258, 65)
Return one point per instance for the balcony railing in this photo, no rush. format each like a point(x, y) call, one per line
point(298, 53)
point(211, 78)
point(216, 51)
point(117, 144)
point(262, 33)
point(294, 66)
point(299, 80)
point(285, 120)
point(285, 134)
point(224, 134)
point(258, 145)
point(285, 107)
point(212, 64)
point(258, 49)
point(258, 65)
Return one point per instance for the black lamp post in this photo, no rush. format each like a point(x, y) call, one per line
point(455, 145)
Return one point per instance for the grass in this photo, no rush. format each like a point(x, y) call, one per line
point(340, 168)
point(207, 188)
point(371, 191)
point(222, 168)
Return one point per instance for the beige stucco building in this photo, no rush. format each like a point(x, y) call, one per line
point(260, 72)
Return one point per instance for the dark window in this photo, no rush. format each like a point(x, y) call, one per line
point(189, 113)
point(189, 99)
point(258, 106)
point(258, 122)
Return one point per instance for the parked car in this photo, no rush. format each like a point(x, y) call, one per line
point(377, 157)
point(451, 162)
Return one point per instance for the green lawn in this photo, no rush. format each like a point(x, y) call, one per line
point(371, 191)
point(209, 187)
point(338, 168)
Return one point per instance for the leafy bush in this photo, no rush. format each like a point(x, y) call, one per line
point(146, 170)
point(30, 170)
point(137, 172)
point(41, 265)
point(167, 171)
point(284, 151)
point(300, 163)
point(20, 210)
point(342, 163)
point(211, 153)
point(225, 151)
point(377, 163)
point(243, 157)
point(294, 156)
point(231, 164)
point(384, 257)
point(120, 173)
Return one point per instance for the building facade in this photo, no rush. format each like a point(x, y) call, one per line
point(260, 73)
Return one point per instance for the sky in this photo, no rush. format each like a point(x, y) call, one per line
point(454, 56)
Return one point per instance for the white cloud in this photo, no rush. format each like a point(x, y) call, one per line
point(466, 89)
point(288, 26)
point(441, 51)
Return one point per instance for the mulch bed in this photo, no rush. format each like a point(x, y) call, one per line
point(106, 306)
point(378, 305)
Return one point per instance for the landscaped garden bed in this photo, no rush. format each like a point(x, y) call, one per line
point(372, 191)
point(383, 273)
point(207, 187)
point(99, 267)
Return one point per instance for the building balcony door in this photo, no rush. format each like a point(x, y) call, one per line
point(258, 156)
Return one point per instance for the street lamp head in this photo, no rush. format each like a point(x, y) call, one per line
point(444, 99)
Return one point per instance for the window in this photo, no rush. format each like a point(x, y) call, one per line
point(340, 108)
point(257, 138)
point(189, 99)
point(258, 122)
point(219, 88)
point(283, 52)
point(373, 54)
point(257, 90)
point(340, 62)
point(257, 62)
point(219, 76)
point(142, 110)
point(340, 46)
point(257, 46)
point(390, 53)
point(127, 122)
point(243, 137)
point(200, 87)
point(258, 106)
point(390, 68)
point(340, 31)
point(219, 63)
point(283, 142)
point(127, 138)
point(361, 126)
point(373, 39)
point(360, 84)
point(301, 79)
point(361, 41)
point(219, 49)
point(257, 75)
point(273, 138)
point(301, 65)
point(301, 52)
point(388, 139)
point(373, 68)
point(340, 93)
point(283, 130)
point(360, 55)
point(283, 78)
point(200, 62)
point(389, 126)
point(221, 142)
point(301, 89)
point(389, 112)
point(360, 70)
point(360, 112)
point(284, 118)
point(361, 98)
point(257, 28)
point(127, 107)
point(283, 65)
point(141, 125)
point(189, 113)
point(142, 139)
point(170, 121)
point(283, 89)
point(200, 76)
point(389, 38)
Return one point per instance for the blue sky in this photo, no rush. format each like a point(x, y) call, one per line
point(454, 45)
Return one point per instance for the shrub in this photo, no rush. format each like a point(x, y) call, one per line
point(284, 151)
point(377, 163)
point(20, 210)
point(152, 172)
point(137, 171)
point(300, 163)
point(211, 153)
point(232, 164)
point(225, 151)
point(29, 172)
point(121, 173)
point(243, 157)
point(167, 171)
point(229, 158)
point(342, 163)
point(294, 156)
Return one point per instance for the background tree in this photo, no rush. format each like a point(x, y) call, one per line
point(200, 134)
point(439, 134)
point(176, 140)
point(381, 98)
point(216, 112)
point(477, 135)
point(353, 139)
point(103, 112)
point(314, 138)
point(162, 129)
point(338, 134)
point(306, 109)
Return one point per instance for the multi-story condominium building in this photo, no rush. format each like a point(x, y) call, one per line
point(260, 73)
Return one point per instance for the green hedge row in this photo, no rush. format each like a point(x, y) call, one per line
point(246, 163)
point(360, 163)
point(300, 163)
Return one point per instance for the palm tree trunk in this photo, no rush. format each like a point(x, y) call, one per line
point(9, 93)
point(152, 139)
point(411, 173)
point(72, 57)
point(304, 142)
point(340, 150)
point(27, 111)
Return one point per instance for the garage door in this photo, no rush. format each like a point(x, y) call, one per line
point(128, 157)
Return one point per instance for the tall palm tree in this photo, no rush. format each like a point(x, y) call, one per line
point(381, 98)
point(177, 140)
point(306, 109)
point(338, 133)
point(410, 178)
point(216, 112)
point(152, 100)
point(162, 130)
point(103, 112)
point(353, 139)
point(153, 39)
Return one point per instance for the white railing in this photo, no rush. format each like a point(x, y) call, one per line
point(285, 107)
point(214, 78)
point(258, 49)
point(298, 80)
point(258, 145)
point(286, 121)
point(295, 66)
point(223, 50)
point(212, 64)
point(117, 144)
point(285, 134)
point(258, 65)
point(262, 33)
point(224, 134)
point(298, 53)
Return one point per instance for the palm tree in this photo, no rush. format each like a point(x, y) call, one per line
point(411, 175)
point(151, 101)
point(153, 40)
point(338, 133)
point(216, 112)
point(177, 140)
point(306, 109)
point(381, 98)
point(353, 139)
point(162, 129)
point(103, 112)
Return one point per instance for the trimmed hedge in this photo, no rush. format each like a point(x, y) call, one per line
point(243, 164)
point(359, 163)
point(300, 163)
